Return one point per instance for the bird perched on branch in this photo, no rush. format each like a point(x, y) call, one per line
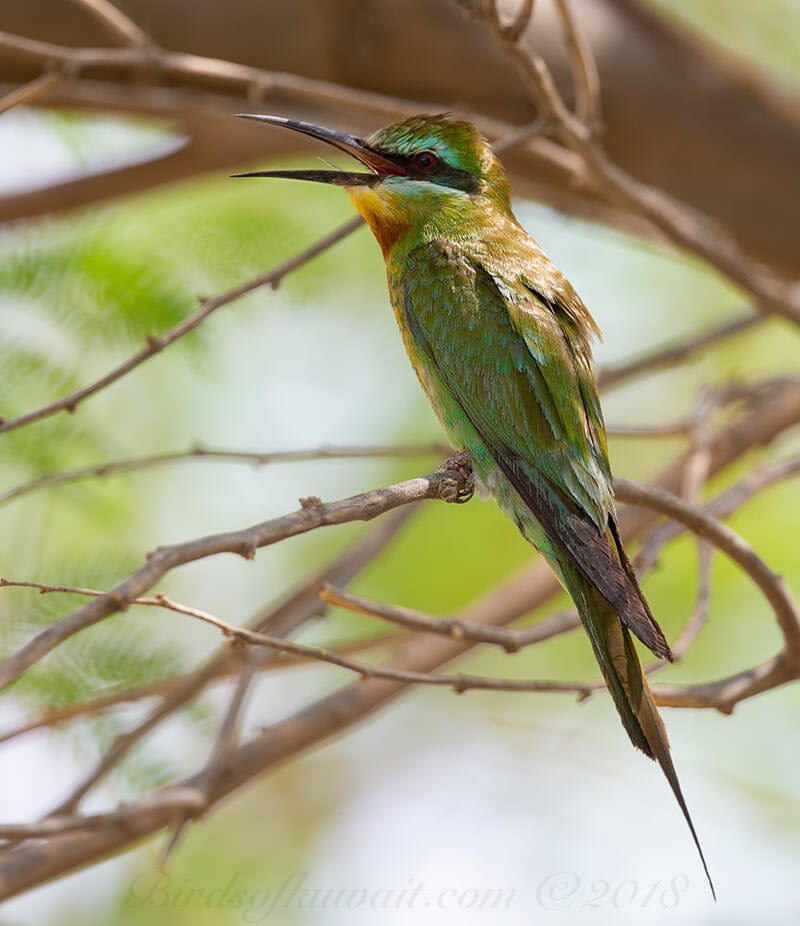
point(501, 344)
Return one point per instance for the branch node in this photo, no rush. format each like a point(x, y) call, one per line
point(247, 550)
point(259, 88)
point(310, 501)
point(512, 31)
point(70, 68)
point(120, 602)
point(456, 630)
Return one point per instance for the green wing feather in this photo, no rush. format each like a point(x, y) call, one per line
point(502, 355)
point(508, 370)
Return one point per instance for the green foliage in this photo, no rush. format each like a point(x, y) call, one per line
point(115, 653)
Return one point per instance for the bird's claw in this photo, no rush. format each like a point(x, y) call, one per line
point(458, 486)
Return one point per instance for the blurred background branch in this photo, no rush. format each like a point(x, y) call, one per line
point(608, 110)
point(695, 99)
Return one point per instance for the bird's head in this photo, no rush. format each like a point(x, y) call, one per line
point(429, 175)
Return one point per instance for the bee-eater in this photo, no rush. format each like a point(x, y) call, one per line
point(501, 344)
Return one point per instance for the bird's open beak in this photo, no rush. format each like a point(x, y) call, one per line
point(379, 165)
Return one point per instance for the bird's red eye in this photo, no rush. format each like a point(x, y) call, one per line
point(425, 160)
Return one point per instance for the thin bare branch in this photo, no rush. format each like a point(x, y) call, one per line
point(155, 345)
point(700, 612)
point(255, 84)
point(673, 354)
point(221, 455)
point(118, 24)
point(750, 485)
point(588, 106)
point(169, 799)
point(684, 226)
point(456, 629)
point(31, 865)
point(513, 30)
point(250, 82)
point(687, 475)
point(223, 745)
point(208, 306)
point(173, 700)
point(724, 694)
point(333, 657)
point(519, 135)
point(723, 506)
point(224, 670)
point(443, 484)
point(510, 639)
point(772, 586)
point(677, 429)
point(702, 604)
point(590, 166)
point(458, 683)
point(33, 92)
point(284, 618)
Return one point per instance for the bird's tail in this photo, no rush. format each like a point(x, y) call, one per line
point(595, 570)
point(613, 646)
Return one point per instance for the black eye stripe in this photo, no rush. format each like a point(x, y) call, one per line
point(442, 173)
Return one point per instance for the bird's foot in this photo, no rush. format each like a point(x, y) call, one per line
point(458, 486)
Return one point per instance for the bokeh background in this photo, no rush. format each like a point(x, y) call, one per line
point(533, 796)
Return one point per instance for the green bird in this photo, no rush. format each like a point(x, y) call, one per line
point(502, 346)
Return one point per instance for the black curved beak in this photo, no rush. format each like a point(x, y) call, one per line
point(379, 165)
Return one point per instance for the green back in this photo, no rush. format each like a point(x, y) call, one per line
point(504, 352)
